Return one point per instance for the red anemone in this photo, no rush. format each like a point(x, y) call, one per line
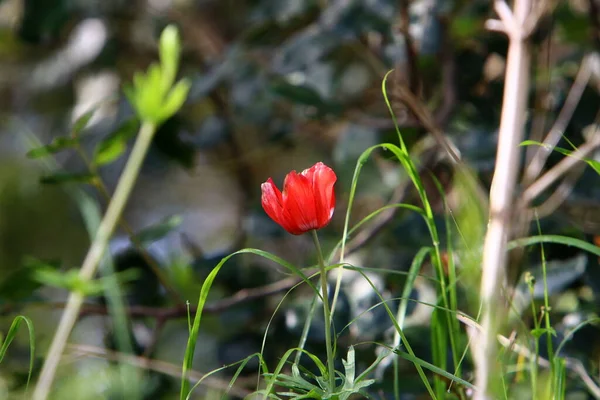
point(307, 201)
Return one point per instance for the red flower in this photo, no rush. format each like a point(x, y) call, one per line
point(307, 201)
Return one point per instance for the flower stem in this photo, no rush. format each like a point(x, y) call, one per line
point(326, 311)
point(93, 257)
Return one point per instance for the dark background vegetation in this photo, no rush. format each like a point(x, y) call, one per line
point(276, 85)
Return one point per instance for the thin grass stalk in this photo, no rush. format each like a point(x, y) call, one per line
point(403, 156)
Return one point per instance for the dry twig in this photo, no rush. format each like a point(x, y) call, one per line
point(160, 366)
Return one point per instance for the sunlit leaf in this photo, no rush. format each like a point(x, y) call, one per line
point(589, 161)
point(115, 145)
point(175, 98)
point(538, 332)
point(12, 331)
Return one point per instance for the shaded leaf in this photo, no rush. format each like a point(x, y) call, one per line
point(82, 122)
point(58, 144)
point(160, 230)
point(66, 177)
point(302, 94)
point(20, 283)
point(297, 93)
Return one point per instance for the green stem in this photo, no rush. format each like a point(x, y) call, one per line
point(326, 310)
point(101, 187)
point(93, 257)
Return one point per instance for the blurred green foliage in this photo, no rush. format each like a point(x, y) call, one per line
point(273, 86)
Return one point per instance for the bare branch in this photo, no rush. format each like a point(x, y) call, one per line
point(160, 366)
point(506, 16)
point(495, 25)
point(511, 132)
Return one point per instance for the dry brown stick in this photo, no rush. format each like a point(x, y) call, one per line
point(442, 114)
point(414, 81)
point(540, 117)
point(594, 9)
point(537, 163)
point(173, 312)
point(414, 105)
point(423, 115)
point(560, 169)
point(176, 311)
point(560, 194)
point(160, 366)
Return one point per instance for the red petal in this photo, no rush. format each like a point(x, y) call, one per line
point(307, 201)
point(322, 181)
point(298, 203)
point(272, 201)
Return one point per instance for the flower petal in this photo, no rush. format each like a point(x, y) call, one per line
point(298, 203)
point(272, 201)
point(307, 201)
point(322, 180)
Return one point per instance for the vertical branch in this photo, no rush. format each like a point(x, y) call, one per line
point(502, 192)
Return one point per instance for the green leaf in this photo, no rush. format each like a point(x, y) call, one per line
point(82, 122)
point(175, 99)
point(20, 283)
point(152, 94)
point(297, 93)
point(66, 177)
point(148, 94)
point(69, 280)
point(590, 161)
point(72, 281)
point(567, 241)
point(434, 369)
point(58, 144)
point(169, 51)
point(350, 368)
point(160, 230)
point(466, 27)
point(115, 145)
point(12, 331)
point(538, 332)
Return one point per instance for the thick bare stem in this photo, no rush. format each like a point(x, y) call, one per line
point(93, 257)
point(502, 194)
